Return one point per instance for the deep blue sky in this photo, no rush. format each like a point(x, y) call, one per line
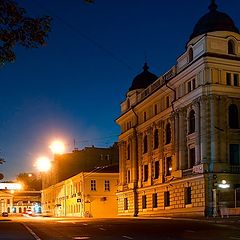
point(72, 88)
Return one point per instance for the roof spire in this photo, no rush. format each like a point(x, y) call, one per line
point(145, 67)
point(213, 6)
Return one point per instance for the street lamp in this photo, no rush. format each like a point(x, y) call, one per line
point(57, 147)
point(43, 164)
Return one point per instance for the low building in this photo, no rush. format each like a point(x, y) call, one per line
point(87, 194)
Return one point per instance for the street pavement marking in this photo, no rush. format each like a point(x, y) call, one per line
point(102, 229)
point(127, 237)
point(235, 238)
point(32, 232)
point(81, 238)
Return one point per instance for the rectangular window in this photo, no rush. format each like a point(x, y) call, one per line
point(228, 79)
point(234, 154)
point(107, 185)
point(93, 185)
point(128, 176)
point(145, 173)
point(189, 86)
point(188, 195)
point(193, 84)
point(8, 201)
point(191, 157)
point(154, 200)
point(144, 116)
point(235, 80)
point(167, 101)
point(168, 166)
point(166, 199)
point(125, 204)
point(144, 201)
point(156, 170)
point(155, 109)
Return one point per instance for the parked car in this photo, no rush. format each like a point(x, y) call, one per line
point(4, 214)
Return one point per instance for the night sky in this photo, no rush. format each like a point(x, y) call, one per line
point(72, 88)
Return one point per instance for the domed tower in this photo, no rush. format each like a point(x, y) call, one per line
point(213, 21)
point(143, 80)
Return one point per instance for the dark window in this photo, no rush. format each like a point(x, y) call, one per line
point(145, 177)
point(190, 54)
point(228, 79)
point(156, 142)
point(188, 195)
point(125, 204)
point(154, 200)
point(155, 109)
point(8, 201)
point(235, 80)
point(189, 86)
point(128, 176)
point(93, 185)
point(144, 201)
point(168, 166)
point(233, 116)
point(191, 122)
point(145, 144)
point(192, 157)
point(20, 210)
point(156, 170)
point(231, 47)
point(166, 199)
point(234, 154)
point(193, 83)
point(8, 209)
point(168, 133)
point(128, 151)
point(167, 102)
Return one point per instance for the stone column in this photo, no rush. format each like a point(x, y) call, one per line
point(203, 130)
point(176, 140)
point(181, 140)
point(134, 158)
point(198, 132)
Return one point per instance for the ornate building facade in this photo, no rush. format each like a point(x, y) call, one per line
point(179, 147)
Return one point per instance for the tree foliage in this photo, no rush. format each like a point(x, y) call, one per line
point(18, 29)
point(30, 181)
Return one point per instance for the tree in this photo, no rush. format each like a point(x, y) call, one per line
point(18, 29)
point(30, 181)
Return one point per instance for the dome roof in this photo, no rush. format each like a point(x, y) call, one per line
point(144, 79)
point(213, 21)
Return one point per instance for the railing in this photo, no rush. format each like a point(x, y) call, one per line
point(235, 169)
point(187, 172)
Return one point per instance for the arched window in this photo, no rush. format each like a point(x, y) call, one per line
point(190, 54)
point(168, 133)
point(145, 144)
point(155, 138)
point(231, 47)
point(20, 210)
point(233, 116)
point(191, 122)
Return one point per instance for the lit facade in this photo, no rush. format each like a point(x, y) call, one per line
point(180, 132)
point(87, 194)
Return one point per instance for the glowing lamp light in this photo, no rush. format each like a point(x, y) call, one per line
point(224, 184)
point(57, 147)
point(43, 164)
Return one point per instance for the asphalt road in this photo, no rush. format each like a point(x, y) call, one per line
point(119, 228)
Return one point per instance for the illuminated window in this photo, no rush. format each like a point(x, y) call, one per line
point(188, 195)
point(168, 166)
point(144, 201)
point(233, 116)
point(107, 185)
point(93, 185)
point(154, 200)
